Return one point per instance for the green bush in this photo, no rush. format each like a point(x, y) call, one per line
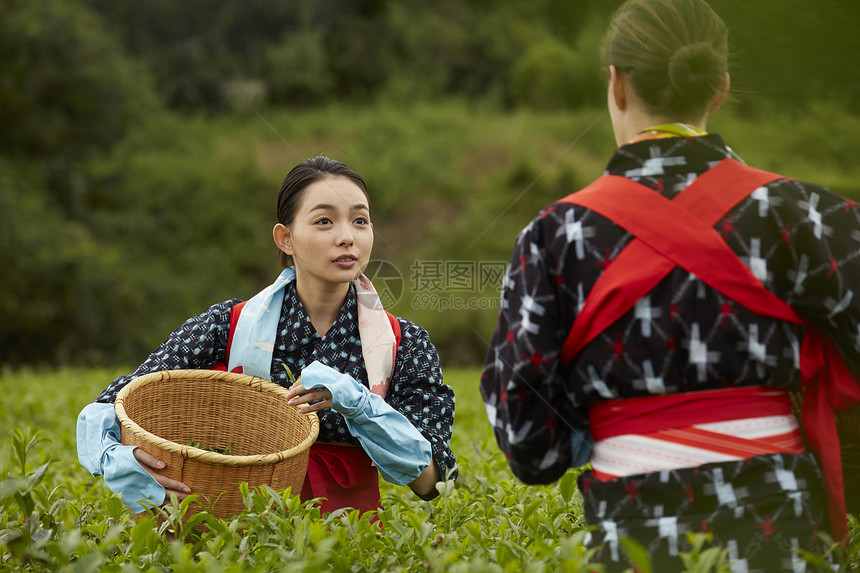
point(178, 216)
point(545, 76)
point(297, 69)
point(54, 516)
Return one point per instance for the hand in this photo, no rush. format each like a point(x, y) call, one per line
point(316, 399)
point(152, 464)
point(426, 482)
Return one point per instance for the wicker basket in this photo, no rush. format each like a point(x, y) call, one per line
point(163, 411)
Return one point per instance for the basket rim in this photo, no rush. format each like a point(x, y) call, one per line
point(190, 452)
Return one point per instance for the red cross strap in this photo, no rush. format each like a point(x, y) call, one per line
point(669, 233)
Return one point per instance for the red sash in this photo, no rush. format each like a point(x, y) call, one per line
point(680, 232)
point(673, 420)
point(650, 414)
point(342, 474)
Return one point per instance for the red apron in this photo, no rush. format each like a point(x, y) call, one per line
point(344, 475)
point(680, 232)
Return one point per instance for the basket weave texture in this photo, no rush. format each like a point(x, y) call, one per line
point(162, 412)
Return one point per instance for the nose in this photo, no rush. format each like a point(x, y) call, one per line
point(345, 236)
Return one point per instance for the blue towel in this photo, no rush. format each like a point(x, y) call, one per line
point(100, 451)
point(397, 448)
point(255, 331)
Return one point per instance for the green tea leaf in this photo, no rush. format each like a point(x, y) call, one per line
point(637, 554)
point(567, 486)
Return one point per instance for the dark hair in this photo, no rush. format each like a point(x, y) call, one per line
point(675, 53)
point(299, 178)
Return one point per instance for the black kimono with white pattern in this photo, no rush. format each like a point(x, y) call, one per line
point(801, 240)
point(416, 389)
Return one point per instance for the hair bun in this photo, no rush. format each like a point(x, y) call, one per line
point(696, 69)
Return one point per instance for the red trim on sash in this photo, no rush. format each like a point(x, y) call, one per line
point(234, 318)
point(680, 232)
point(733, 445)
point(395, 326)
point(342, 474)
point(828, 386)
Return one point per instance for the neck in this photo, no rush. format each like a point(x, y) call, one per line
point(322, 303)
point(637, 123)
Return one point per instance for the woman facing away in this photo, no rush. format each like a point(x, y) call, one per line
point(653, 323)
point(379, 395)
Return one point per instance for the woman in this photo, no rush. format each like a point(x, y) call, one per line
point(373, 379)
point(653, 322)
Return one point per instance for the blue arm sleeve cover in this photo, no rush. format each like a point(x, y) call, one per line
point(397, 448)
point(100, 451)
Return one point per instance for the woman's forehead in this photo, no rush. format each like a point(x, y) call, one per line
point(334, 193)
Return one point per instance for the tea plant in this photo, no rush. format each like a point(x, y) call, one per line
point(55, 517)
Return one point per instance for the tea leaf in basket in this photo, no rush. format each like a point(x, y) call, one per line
point(227, 451)
point(289, 373)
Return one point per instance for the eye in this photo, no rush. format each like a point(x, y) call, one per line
point(323, 221)
point(362, 221)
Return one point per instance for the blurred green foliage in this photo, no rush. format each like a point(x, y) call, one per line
point(142, 144)
point(310, 51)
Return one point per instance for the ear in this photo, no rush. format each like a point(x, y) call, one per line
point(283, 239)
point(618, 88)
point(722, 93)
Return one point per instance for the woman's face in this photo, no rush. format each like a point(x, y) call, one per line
point(331, 236)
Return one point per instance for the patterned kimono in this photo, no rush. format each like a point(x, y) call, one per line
point(800, 240)
point(416, 389)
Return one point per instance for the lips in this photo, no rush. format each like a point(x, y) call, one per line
point(346, 259)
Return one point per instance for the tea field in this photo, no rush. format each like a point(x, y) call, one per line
point(54, 516)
